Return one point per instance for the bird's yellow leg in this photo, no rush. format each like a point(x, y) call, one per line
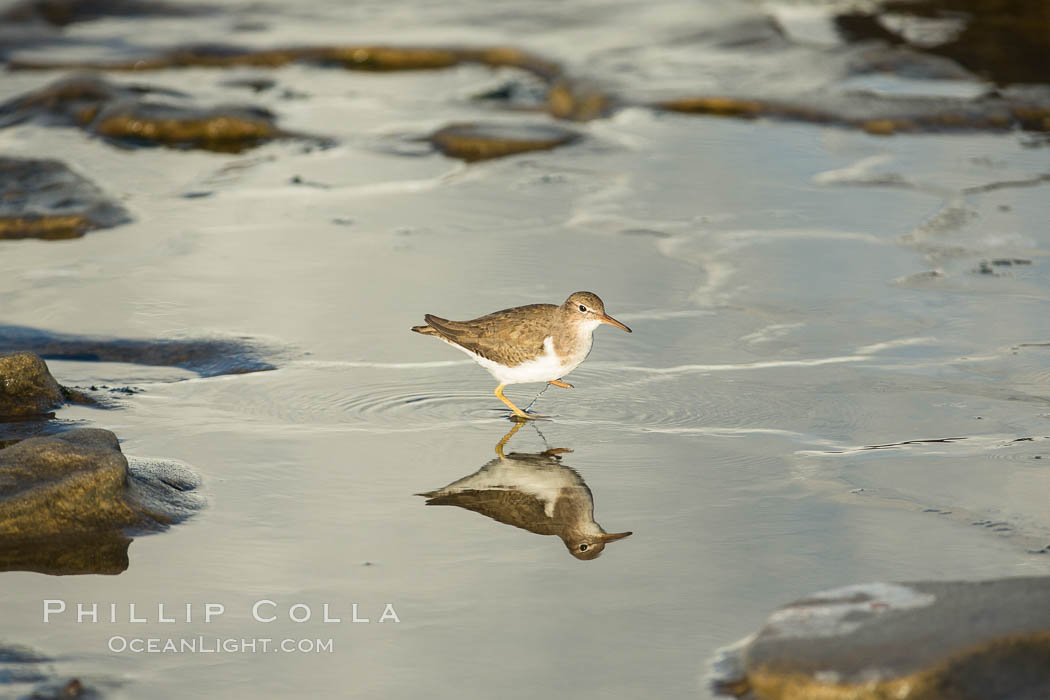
point(517, 411)
point(560, 383)
point(502, 443)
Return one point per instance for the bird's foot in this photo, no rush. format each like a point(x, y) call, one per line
point(559, 383)
point(521, 417)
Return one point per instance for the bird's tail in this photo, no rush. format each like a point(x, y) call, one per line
point(425, 330)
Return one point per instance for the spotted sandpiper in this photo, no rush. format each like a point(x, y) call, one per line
point(535, 492)
point(534, 343)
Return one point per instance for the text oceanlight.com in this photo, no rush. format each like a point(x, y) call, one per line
point(218, 645)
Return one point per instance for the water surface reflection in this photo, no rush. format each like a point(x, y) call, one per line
point(533, 491)
point(92, 553)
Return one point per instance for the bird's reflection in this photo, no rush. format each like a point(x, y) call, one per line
point(533, 491)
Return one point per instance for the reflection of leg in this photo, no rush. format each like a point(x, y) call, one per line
point(499, 446)
point(551, 451)
point(560, 383)
point(517, 411)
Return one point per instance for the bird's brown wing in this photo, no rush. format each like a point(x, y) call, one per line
point(509, 506)
point(510, 337)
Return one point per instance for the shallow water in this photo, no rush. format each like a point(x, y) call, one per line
point(798, 295)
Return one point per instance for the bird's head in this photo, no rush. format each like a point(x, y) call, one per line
point(587, 309)
point(591, 546)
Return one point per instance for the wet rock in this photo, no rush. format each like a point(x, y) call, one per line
point(566, 98)
point(12, 432)
point(1002, 42)
point(22, 665)
point(373, 58)
point(987, 640)
point(473, 142)
point(63, 12)
point(67, 500)
point(387, 58)
point(45, 199)
point(207, 357)
point(253, 84)
point(28, 392)
point(19, 664)
point(578, 101)
point(224, 129)
point(16, 37)
point(26, 386)
point(524, 93)
point(353, 57)
point(64, 690)
point(884, 115)
point(72, 101)
point(125, 115)
point(65, 484)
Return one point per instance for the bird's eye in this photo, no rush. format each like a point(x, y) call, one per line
point(583, 308)
point(583, 548)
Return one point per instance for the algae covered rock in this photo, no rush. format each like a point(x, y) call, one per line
point(68, 502)
point(64, 484)
point(473, 142)
point(45, 199)
point(134, 115)
point(225, 129)
point(26, 386)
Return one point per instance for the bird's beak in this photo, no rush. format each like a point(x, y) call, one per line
point(606, 318)
point(606, 537)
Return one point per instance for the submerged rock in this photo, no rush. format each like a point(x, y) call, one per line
point(63, 12)
point(67, 500)
point(350, 57)
point(19, 664)
point(986, 640)
point(45, 199)
point(22, 665)
point(26, 386)
point(473, 142)
point(72, 101)
point(566, 98)
point(578, 100)
point(125, 114)
point(884, 115)
point(207, 357)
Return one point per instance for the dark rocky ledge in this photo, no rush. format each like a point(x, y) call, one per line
point(208, 357)
point(140, 115)
point(42, 198)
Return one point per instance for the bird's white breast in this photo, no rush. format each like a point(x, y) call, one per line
point(545, 367)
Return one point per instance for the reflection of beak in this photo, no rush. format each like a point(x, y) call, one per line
point(606, 318)
point(606, 537)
